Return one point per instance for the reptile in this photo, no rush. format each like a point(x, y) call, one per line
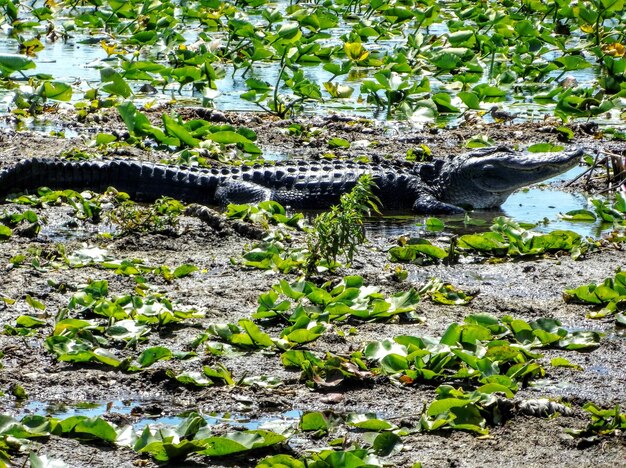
point(474, 180)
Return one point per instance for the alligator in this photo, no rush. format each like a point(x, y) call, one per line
point(475, 180)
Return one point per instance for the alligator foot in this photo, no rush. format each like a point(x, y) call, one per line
point(427, 204)
point(239, 192)
point(219, 223)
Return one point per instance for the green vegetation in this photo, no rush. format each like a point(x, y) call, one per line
point(610, 295)
point(340, 231)
point(95, 328)
point(167, 444)
point(604, 211)
point(604, 422)
point(333, 234)
point(492, 357)
point(129, 216)
point(427, 60)
point(483, 349)
point(505, 238)
point(266, 213)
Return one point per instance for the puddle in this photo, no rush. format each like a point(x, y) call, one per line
point(72, 231)
point(139, 409)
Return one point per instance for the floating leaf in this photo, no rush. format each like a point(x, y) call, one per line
point(56, 91)
point(545, 148)
point(10, 64)
point(434, 224)
point(579, 215)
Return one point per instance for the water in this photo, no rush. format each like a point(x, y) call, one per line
point(539, 205)
point(132, 408)
point(79, 58)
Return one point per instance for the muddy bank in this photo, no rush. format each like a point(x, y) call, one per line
point(225, 292)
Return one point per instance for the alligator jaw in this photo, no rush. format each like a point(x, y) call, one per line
point(510, 172)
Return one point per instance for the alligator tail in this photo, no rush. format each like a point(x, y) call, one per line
point(141, 180)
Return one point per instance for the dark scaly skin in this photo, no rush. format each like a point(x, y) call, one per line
point(482, 179)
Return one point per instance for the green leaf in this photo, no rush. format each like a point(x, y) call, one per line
point(18, 392)
point(167, 450)
point(386, 444)
point(34, 303)
point(103, 139)
point(314, 421)
point(394, 363)
point(116, 84)
point(579, 215)
point(56, 91)
point(379, 349)
point(12, 63)
point(151, 355)
point(289, 30)
point(226, 137)
point(338, 143)
point(580, 340)
point(192, 378)
point(86, 428)
point(28, 321)
point(5, 232)
point(369, 423)
point(256, 335)
point(280, 461)
point(545, 148)
point(416, 253)
point(470, 99)
point(176, 130)
point(443, 101)
point(434, 225)
point(236, 442)
point(184, 270)
point(562, 362)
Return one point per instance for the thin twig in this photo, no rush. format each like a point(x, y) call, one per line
point(595, 164)
point(8, 150)
point(608, 153)
point(590, 169)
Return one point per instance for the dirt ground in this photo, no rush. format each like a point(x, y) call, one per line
point(226, 292)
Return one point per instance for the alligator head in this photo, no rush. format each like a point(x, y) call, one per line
point(486, 178)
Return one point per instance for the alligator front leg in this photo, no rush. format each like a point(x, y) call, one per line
point(239, 192)
point(428, 204)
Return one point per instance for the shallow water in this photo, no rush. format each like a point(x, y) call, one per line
point(79, 58)
point(538, 205)
point(128, 408)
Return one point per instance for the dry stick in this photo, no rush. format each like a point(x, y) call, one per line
point(608, 153)
point(616, 177)
point(608, 175)
point(9, 150)
point(587, 171)
point(595, 164)
point(610, 187)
